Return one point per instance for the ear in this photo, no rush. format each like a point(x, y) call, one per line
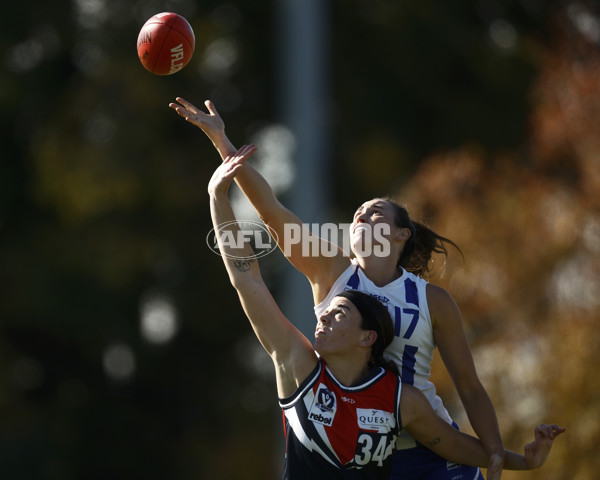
point(403, 234)
point(369, 338)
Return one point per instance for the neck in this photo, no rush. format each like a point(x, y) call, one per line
point(350, 370)
point(380, 270)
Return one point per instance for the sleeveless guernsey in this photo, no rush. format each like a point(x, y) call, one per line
point(334, 432)
point(413, 344)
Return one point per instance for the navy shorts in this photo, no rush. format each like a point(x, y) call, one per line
point(420, 463)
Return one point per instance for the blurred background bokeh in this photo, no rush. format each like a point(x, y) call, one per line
point(123, 351)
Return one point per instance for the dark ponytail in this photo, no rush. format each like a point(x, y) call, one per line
point(375, 316)
point(421, 245)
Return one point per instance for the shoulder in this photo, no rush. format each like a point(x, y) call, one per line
point(330, 284)
point(442, 306)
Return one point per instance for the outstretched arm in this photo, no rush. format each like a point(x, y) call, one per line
point(429, 429)
point(291, 352)
point(319, 269)
point(454, 349)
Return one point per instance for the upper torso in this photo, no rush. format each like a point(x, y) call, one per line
point(334, 431)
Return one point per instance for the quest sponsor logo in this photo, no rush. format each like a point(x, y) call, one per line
point(376, 420)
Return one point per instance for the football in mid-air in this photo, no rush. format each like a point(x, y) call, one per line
point(166, 43)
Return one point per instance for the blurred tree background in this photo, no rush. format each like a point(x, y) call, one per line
point(123, 351)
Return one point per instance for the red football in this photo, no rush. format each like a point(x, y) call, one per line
point(166, 43)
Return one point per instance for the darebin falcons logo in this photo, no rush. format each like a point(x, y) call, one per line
point(249, 232)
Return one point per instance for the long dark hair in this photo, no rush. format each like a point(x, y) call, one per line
point(421, 245)
point(375, 316)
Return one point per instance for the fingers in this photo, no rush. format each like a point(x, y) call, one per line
point(179, 109)
point(211, 108)
point(243, 154)
point(187, 105)
point(549, 431)
point(556, 430)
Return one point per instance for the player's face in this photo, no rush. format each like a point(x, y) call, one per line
point(373, 221)
point(339, 329)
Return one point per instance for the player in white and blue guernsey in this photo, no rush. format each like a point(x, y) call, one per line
point(425, 316)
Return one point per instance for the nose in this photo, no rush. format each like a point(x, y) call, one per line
point(361, 218)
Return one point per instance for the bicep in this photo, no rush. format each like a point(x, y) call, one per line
point(451, 340)
point(421, 421)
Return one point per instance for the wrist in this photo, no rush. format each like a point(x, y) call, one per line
point(218, 193)
point(223, 145)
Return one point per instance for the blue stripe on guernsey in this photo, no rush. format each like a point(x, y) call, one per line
point(408, 364)
point(353, 281)
point(413, 322)
point(412, 294)
point(397, 320)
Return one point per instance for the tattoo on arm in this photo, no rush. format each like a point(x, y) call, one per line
point(243, 265)
point(434, 442)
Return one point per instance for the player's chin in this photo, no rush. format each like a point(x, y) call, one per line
point(320, 346)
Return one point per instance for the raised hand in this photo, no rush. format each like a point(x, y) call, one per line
point(537, 451)
point(210, 123)
point(224, 174)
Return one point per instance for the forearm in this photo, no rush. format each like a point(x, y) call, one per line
point(467, 450)
point(222, 144)
point(482, 417)
point(254, 186)
point(515, 461)
point(237, 256)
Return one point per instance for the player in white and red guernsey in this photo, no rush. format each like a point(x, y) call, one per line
point(421, 311)
point(352, 430)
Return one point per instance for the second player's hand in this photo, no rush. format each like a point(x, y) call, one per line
point(211, 123)
point(537, 451)
point(223, 176)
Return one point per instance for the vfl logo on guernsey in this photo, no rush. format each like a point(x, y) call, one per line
point(377, 420)
point(324, 406)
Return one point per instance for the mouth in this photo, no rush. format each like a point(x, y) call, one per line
point(360, 227)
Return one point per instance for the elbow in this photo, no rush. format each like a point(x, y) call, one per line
point(271, 211)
